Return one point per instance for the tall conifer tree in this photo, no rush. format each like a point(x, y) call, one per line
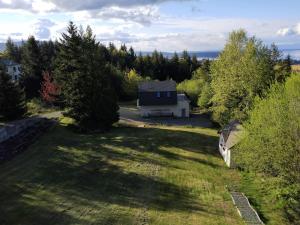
point(31, 68)
point(84, 79)
point(12, 99)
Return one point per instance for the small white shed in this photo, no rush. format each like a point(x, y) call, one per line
point(230, 135)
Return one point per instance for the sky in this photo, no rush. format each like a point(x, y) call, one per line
point(165, 25)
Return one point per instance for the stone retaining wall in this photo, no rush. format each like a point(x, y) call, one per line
point(12, 129)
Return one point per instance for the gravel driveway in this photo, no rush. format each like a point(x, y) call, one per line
point(196, 120)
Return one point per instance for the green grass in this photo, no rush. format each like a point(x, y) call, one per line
point(36, 107)
point(261, 192)
point(154, 175)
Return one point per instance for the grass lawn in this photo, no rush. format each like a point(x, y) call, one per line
point(154, 175)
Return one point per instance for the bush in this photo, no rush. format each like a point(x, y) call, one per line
point(130, 84)
point(193, 87)
point(204, 99)
point(272, 140)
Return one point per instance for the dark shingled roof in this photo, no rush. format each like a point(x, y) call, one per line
point(232, 133)
point(155, 86)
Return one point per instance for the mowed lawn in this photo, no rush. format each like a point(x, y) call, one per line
point(155, 175)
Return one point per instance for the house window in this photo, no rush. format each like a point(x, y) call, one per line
point(16, 77)
point(14, 69)
point(169, 94)
point(158, 94)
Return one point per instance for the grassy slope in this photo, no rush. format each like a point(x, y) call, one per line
point(158, 175)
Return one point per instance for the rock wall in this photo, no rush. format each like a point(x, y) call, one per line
point(12, 129)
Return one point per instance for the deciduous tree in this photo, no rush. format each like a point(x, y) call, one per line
point(50, 89)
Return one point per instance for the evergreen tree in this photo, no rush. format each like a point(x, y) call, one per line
point(139, 65)
point(12, 101)
point(85, 80)
point(12, 51)
point(31, 68)
point(283, 69)
point(174, 67)
point(195, 64)
point(47, 55)
point(131, 58)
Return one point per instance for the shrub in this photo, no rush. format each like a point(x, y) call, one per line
point(130, 84)
point(193, 87)
point(49, 89)
point(272, 140)
point(204, 99)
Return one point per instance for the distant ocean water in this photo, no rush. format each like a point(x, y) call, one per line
point(295, 54)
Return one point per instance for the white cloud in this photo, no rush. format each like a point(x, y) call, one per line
point(134, 10)
point(42, 29)
point(43, 6)
point(143, 14)
point(178, 42)
point(288, 31)
point(285, 32)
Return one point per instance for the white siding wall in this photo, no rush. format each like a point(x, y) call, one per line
point(226, 153)
point(14, 72)
point(175, 110)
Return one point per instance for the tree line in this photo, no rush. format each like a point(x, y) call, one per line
point(38, 56)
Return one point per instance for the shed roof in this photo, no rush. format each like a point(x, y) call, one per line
point(232, 134)
point(155, 86)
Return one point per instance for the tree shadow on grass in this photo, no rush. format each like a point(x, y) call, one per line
point(78, 169)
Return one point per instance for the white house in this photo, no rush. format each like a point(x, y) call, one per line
point(160, 98)
point(230, 135)
point(12, 68)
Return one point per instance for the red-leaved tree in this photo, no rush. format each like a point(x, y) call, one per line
point(50, 89)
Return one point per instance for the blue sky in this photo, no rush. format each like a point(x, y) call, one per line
point(166, 25)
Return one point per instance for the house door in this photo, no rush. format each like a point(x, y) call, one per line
point(183, 113)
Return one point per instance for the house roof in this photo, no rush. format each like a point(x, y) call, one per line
point(155, 86)
point(232, 134)
point(7, 62)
